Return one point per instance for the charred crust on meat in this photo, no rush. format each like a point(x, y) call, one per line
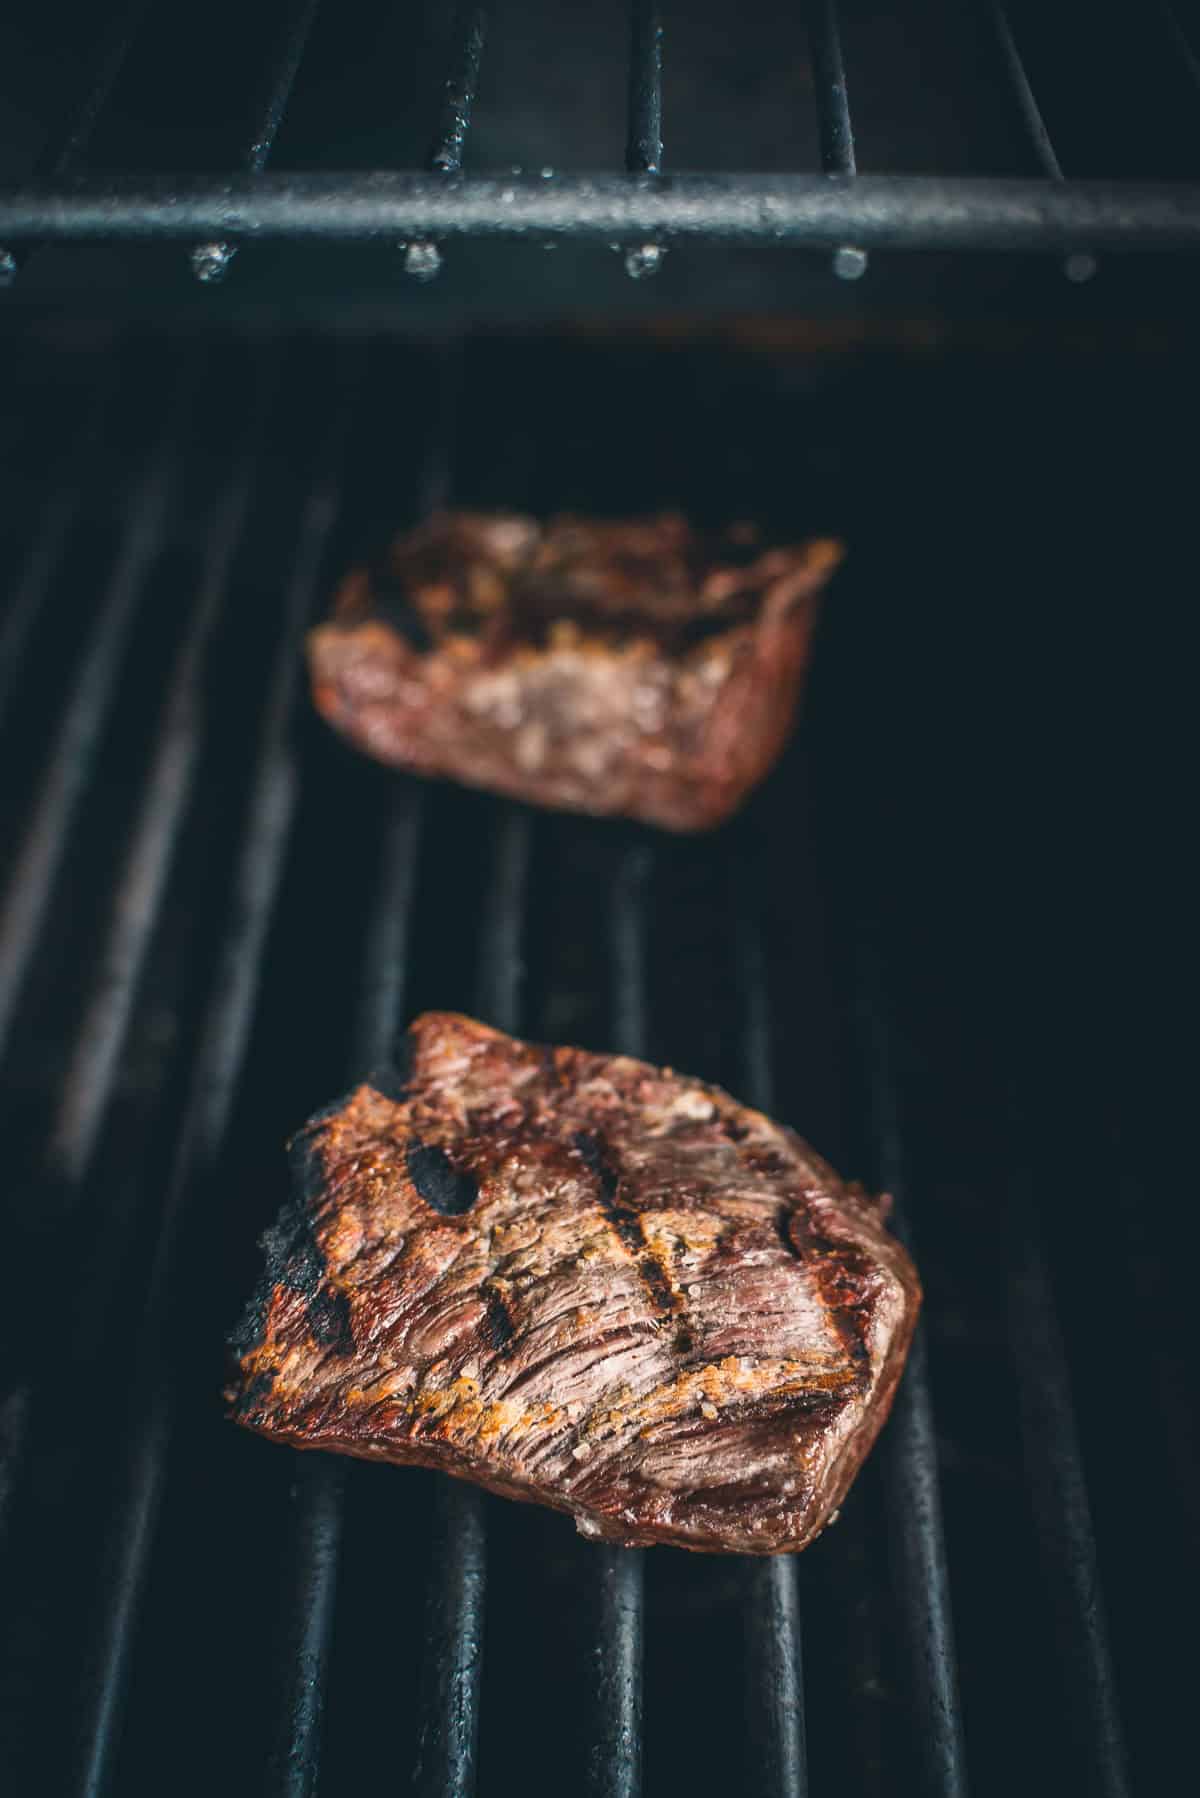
point(591, 1148)
point(442, 1186)
point(497, 1328)
point(249, 1406)
point(294, 1259)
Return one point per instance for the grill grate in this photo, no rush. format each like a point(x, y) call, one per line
point(348, 901)
point(888, 208)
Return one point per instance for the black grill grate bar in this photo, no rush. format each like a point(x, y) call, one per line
point(934, 212)
point(381, 1004)
point(216, 1071)
point(49, 546)
point(90, 1078)
point(833, 105)
point(1079, 265)
point(833, 116)
point(462, 84)
point(37, 862)
point(644, 139)
point(909, 1451)
point(63, 152)
point(644, 144)
point(91, 1071)
point(320, 1479)
point(1180, 40)
point(1031, 112)
point(422, 258)
point(1062, 1512)
point(614, 1764)
point(210, 261)
point(452, 1663)
point(771, 1605)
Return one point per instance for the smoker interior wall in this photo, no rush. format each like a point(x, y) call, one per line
point(991, 767)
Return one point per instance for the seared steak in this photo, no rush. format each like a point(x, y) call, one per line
point(582, 1281)
point(634, 667)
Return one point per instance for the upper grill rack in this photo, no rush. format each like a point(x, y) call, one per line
point(649, 206)
point(276, 1554)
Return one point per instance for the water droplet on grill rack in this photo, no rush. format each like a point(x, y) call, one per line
point(210, 261)
point(422, 260)
point(849, 264)
point(1079, 266)
point(645, 260)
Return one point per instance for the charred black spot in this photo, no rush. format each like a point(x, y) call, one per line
point(249, 1406)
point(438, 1181)
point(783, 1227)
point(654, 1278)
point(294, 1259)
point(395, 606)
point(592, 1150)
point(497, 1328)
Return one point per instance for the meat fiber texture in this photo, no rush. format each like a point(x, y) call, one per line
point(634, 667)
point(582, 1281)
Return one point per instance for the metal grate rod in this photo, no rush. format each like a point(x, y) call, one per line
point(448, 1750)
point(462, 83)
point(210, 261)
point(927, 212)
point(1062, 1513)
point(1180, 40)
point(833, 117)
point(614, 1765)
point(1080, 265)
point(644, 144)
point(422, 258)
point(91, 1070)
point(90, 1078)
point(53, 535)
point(909, 1452)
point(37, 862)
point(63, 152)
point(771, 1609)
point(216, 1072)
point(644, 139)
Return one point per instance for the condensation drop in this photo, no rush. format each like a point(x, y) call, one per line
point(849, 264)
point(422, 260)
point(645, 260)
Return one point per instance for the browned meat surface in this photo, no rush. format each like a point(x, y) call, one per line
point(634, 668)
point(582, 1281)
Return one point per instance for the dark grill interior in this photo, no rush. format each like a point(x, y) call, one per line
point(937, 943)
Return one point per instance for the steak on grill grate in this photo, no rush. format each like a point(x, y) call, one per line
point(634, 667)
point(582, 1281)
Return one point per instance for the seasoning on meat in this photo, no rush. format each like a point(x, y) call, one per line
point(636, 667)
point(581, 1281)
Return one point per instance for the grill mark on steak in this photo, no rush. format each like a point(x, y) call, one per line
point(497, 1328)
point(626, 1222)
point(439, 1182)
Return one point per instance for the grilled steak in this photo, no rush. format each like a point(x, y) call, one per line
point(634, 668)
point(582, 1281)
